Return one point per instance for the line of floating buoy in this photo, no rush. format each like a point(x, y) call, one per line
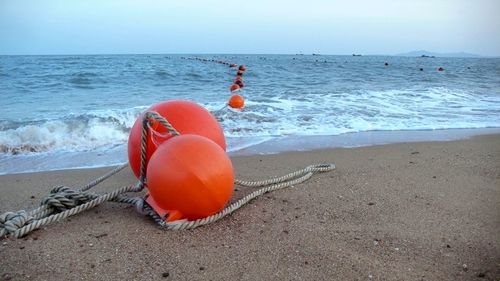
point(421, 69)
point(210, 60)
point(236, 100)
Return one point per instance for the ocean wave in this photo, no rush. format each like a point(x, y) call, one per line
point(193, 75)
point(20, 149)
point(310, 113)
point(164, 73)
point(83, 79)
point(98, 130)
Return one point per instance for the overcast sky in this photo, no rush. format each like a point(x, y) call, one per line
point(254, 26)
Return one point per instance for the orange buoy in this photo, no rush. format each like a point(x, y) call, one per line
point(234, 87)
point(239, 73)
point(238, 78)
point(189, 177)
point(242, 68)
point(187, 118)
point(232, 65)
point(236, 101)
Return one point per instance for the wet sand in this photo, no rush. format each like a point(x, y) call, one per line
point(408, 211)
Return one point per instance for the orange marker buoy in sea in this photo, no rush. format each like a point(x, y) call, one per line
point(238, 78)
point(232, 65)
point(234, 87)
point(236, 101)
point(189, 177)
point(242, 68)
point(185, 116)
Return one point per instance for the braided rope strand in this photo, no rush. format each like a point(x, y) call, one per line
point(104, 177)
point(70, 212)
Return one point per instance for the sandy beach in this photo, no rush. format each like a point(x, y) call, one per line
point(408, 211)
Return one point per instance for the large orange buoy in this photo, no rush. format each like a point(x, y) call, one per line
point(236, 101)
point(185, 116)
point(189, 177)
point(234, 87)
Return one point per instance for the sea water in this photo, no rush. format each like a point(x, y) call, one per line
point(75, 111)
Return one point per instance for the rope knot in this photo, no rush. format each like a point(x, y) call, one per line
point(12, 221)
point(63, 198)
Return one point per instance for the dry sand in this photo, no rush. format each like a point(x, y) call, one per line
point(411, 211)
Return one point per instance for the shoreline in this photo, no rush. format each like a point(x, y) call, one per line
point(359, 139)
point(405, 211)
point(269, 145)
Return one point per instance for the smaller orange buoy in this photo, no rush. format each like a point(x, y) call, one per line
point(234, 87)
point(236, 101)
point(189, 177)
point(232, 65)
point(238, 78)
point(239, 73)
point(242, 67)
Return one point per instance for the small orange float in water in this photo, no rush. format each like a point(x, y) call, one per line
point(234, 87)
point(236, 101)
point(185, 116)
point(189, 177)
point(242, 68)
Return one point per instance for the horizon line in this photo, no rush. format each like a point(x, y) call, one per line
point(449, 55)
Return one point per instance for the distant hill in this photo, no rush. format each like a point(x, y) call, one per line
point(421, 53)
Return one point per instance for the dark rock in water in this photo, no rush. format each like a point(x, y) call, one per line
point(165, 274)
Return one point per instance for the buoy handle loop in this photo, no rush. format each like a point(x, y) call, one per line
point(152, 115)
point(146, 123)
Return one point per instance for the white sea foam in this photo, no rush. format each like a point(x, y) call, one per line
point(97, 130)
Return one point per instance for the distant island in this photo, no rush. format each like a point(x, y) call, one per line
point(427, 54)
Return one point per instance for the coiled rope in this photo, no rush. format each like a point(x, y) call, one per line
point(63, 202)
